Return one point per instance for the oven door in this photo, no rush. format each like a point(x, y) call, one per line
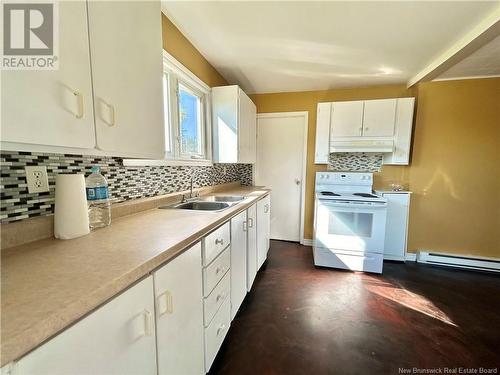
point(351, 226)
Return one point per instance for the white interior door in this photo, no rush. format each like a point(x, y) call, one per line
point(280, 166)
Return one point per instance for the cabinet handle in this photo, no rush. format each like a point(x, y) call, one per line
point(111, 109)
point(219, 241)
point(221, 328)
point(79, 103)
point(250, 224)
point(266, 208)
point(219, 270)
point(148, 323)
point(245, 226)
point(165, 303)
point(220, 296)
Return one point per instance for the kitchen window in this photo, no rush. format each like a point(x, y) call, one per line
point(187, 114)
point(187, 118)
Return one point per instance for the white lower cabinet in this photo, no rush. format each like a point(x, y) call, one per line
point(216, 332)
point(217, 305)
point(118, 338)
point(238, 261)
point(251, 245)
point(172, 322)
point(179, 314)
point(396, 228)
point(263, 229)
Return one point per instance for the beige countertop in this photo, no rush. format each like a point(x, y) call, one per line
point(49, 284)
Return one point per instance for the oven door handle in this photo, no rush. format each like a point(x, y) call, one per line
point(352, 204)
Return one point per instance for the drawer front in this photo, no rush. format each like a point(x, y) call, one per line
point(216, 271)
point(218, 296)
point(215, 242)
point(216, 332)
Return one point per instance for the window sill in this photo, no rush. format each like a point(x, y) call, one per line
point(166, 162)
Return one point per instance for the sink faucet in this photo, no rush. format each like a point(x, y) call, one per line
point(191, 194)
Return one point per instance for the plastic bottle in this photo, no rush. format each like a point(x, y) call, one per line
point(98, 199)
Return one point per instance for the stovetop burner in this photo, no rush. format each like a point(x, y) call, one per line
point(365, 195)
point(330, 193)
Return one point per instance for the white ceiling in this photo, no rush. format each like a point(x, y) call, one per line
point(298, 46)
point(485, 62)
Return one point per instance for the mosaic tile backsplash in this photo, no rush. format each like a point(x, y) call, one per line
point(355, 162)
point(124, 182)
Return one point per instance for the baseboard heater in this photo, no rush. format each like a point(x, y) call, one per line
point(459, 261)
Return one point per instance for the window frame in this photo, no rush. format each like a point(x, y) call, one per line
point(176, 74)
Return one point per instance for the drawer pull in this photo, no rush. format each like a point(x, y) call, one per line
point(220, 296)
point(148, 323)
point(165, 303)
point(219, 241)
point(221, 329)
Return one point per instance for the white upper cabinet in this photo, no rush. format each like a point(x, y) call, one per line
point(322, 133)
point(402, 133)
point(379, 117)
point(110, 74)
point(126, 50)
point(347, 119)
point(118, 338)
point(234, 126)
point(179, 314)
point(53, 107)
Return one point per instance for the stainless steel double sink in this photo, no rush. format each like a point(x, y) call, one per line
point(207, 203)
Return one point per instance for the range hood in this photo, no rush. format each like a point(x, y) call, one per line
point(362, 145)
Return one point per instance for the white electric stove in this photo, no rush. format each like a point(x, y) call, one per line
point(349, 222)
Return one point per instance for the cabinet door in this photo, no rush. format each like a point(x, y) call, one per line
point(225, 120)
point(347, 119)
point(396, 226)
point(179, 314)
point(118, 338)
point(238, 261)
point(126, 48)
point(379, 117)
point(402, 133)
point(247, 134)
point(263, 229)
point(251, 246)
point(322, 133)
point(53, 107)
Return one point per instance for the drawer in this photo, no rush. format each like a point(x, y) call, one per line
point(215, 242)
point(218, 296)
point(216, 332)
point(215, 271)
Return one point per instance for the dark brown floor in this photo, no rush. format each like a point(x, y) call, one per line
point(299, 319)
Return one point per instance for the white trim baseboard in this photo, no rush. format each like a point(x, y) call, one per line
point(470, 262)
point(306, 242)
point(410, 257)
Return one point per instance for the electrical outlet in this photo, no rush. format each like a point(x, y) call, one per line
point(36, 177)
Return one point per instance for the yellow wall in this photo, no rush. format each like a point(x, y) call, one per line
point(455, 170)
point(456, 138)
point(178, 46)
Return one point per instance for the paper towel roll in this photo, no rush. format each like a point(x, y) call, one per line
point(71, 218)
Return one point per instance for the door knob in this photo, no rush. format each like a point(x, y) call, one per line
point(297, 181)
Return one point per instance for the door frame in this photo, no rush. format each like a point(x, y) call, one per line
point(305, 116)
